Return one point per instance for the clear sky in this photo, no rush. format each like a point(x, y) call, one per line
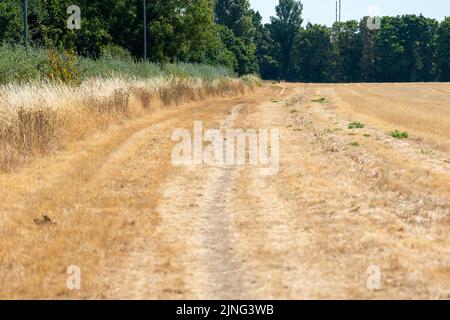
point(323, 11)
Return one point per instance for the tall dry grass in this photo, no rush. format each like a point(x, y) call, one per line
point(36, 119)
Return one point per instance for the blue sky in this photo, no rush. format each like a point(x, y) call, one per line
point(323, 11)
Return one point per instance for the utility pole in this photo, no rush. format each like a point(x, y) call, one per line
point(336, 10)
point(25, 23)
point(145, 30)
point(216, 23)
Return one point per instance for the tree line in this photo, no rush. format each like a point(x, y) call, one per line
point(230, 33)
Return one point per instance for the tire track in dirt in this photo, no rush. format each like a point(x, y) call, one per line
point(223, 270)
point(199, 216)
point(153, 268)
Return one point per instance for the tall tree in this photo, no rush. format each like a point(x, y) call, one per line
point(389, 52)
point(10, 21)
point(347, 42)
point(245, 59)
point(417, 37)
point(237, 17)
point(443, 50)
point(312, 55)
point(367, 64)
point(284, 28)
point(267, 50)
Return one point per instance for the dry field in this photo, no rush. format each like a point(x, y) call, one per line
point(344, 199)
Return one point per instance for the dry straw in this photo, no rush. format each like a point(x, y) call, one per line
point(36, 119)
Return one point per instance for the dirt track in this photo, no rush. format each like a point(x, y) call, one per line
point(342, 201)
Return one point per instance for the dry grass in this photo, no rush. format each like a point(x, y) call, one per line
point(141, 228)
point(423, 110)
point(91, 203)
point(36, 119)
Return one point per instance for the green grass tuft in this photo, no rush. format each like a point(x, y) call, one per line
point(356, 125)
point(399, 134)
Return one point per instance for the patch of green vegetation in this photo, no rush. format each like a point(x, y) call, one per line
point(289, 126)
point(366, 135)
point(399, 134)
point(275, 100)
point(356, 125)
point(354, 144)
point(18, 65)
point(294, 111)
point(320, 100)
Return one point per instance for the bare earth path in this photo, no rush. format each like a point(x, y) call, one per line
point(342, 201)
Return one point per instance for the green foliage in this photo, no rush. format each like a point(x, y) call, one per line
point(63, 67)
point(230, 33)
point(443, 50)
point(237, 16)
point(20, 66)
point(356, 125)
point(237, 33)
point(174, 36)
point(367, 61)
point(347, 42)
point(267, 50)
point(405, 49)
point(116, 52)
point(108, 67)
point(244, 55)
point(312, 55)
point(10, 22)
point(399, 134)
point(284, 28)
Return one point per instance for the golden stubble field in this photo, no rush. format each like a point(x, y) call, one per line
point(344, 201)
